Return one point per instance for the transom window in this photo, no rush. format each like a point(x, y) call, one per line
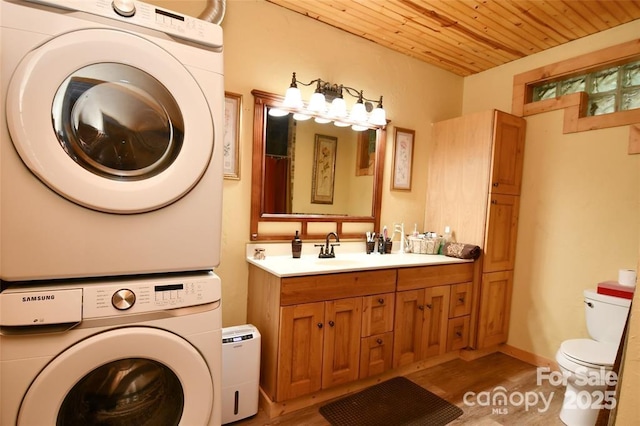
point(610, 90)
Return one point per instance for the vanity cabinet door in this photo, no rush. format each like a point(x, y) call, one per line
point(341, 353)
point(300, 350)
point(376, 354)
point(377, 314)
point(508, 154)
point(408, 327)
point(495, 308)
point(502, 230)
point(458, 334)
point(436, 316)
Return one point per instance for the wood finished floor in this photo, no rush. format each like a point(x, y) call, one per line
point(451, 381)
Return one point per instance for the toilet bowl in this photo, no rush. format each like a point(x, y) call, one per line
point(586, 364)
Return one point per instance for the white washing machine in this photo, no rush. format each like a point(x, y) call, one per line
point(111, 136)
point(116, 352)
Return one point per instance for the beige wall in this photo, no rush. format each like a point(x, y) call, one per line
point(264, 44)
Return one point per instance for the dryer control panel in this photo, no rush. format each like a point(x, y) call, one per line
point(147, 16)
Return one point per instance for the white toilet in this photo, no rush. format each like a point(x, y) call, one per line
point(587, 363)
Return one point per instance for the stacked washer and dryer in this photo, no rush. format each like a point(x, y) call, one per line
point(110, 214)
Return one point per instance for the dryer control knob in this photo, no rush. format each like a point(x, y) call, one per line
point(123, 299)
point(124, 8)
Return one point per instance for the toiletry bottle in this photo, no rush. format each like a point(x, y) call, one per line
point(296, 246)
point(446, 237)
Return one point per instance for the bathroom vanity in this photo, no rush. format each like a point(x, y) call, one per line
point(328, 325)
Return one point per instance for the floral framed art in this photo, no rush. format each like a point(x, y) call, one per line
point(232, 110)
point(324, 169)
point(402, 168)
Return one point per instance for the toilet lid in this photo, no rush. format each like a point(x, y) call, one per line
point(587, 351)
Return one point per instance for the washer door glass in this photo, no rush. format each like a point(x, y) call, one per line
point(117, 121)
point(111, 121)
point(133, 391)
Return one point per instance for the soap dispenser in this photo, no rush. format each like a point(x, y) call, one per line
point(296, 246)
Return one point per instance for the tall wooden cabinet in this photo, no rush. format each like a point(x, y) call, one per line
point(474, 180)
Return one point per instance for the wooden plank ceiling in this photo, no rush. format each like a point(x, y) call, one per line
point(468, 36)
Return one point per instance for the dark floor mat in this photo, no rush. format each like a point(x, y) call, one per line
point(398, 401)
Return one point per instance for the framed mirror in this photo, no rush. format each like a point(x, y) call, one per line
point(305, 172)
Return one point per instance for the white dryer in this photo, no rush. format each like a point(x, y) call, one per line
point(111, 136)
point(133, 352)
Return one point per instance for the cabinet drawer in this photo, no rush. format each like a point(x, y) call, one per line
point(375, 354)
point(316, 288)
point(432, 276)
point(377, 314)
point(458, 333)
point(460, 301)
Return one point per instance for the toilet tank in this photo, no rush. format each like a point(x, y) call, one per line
point(606, 316)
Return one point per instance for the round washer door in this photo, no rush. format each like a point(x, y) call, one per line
point(110, 121)
point(126, 376)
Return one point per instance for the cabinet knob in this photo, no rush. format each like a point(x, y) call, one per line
point(494, 201)
point(331, 323)
point(461, 299)
point(381, 301)
point(459, 333)
point(379, 341)
point(421, 307)
point(429, 306)
point(319, 325)
point(495, 184)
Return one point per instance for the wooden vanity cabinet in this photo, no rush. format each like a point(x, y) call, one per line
point(312, 328)
point(424, 308)
point(474, 181)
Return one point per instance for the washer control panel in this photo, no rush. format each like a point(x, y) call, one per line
point(149, 295)
point(147, 16)
point(75, 301)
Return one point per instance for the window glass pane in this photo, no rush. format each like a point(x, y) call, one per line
point(604, 81)
point(603, 104)
point(573, 85)
point(631, 75)
point(545, 91)
point(630, 99)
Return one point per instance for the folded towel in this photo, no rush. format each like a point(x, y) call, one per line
point(461, 251)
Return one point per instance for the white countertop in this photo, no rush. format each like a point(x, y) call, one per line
point(350, 256)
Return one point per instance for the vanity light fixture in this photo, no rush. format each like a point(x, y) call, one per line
point(362, 116)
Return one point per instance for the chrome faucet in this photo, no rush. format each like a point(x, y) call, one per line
point(325, 251)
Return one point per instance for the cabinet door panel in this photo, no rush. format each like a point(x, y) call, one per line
point(495, 308)
point(508, 155)
point(341, 354)
point(300, 343)
point(436, 304)
point(375, 354)
point(408, 327)
point(461, 298)
point(377, 314)
point(458, 334)
point(502, 229)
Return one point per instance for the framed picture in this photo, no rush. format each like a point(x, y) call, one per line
point(402, 159)
point(232, 109)
point(324, 169)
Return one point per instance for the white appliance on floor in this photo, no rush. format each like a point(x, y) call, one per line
point(111, 140)
point(240, 372)
point(142, 352)
point(587, 363)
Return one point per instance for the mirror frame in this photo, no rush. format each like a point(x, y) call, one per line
point(262, 101)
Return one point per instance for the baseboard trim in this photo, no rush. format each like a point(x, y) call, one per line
point(528, 357)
